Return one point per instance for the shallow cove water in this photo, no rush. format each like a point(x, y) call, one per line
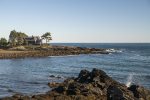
point(31, 75)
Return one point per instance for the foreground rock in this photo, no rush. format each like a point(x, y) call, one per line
point(94, 85)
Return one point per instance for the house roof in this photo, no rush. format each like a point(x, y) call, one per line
point(33, 38)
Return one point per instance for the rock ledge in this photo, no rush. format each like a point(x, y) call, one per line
point(94, 85)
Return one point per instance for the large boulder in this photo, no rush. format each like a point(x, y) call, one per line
point(96, 84)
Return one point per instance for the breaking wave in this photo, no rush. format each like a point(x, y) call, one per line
point(129, 80)
point(114, 50)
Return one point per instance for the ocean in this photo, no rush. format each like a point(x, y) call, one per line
point(127, 63)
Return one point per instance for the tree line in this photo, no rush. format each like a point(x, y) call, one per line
point(19, 38)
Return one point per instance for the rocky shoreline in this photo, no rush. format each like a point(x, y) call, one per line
point(22, 52)
point(94, 85)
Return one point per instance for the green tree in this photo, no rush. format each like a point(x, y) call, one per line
point(3, 42)
point(20, 40)
point(17, 38)
point(13, 38)
point(47, 37)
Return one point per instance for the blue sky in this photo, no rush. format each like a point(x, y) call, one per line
point(78, 20)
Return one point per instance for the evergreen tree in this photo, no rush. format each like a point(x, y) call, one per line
point(47, 37)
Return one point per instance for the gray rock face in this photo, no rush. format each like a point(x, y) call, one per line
point(94, 85)
point(140, 92)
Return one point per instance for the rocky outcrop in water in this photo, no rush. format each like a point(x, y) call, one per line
point(22, 52)
point(94, 85)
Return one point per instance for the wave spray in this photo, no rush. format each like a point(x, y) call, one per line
point(129, 80)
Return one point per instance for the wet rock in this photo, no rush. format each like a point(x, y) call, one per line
point(83, 76)
point(98, 74)
point(114, 93)
point(53, 84)
point(60, 89)
point(133, 88)
point(52, 76)
point(140, 92)
point(94, 85)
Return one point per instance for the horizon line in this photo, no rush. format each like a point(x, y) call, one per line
point(107, 42)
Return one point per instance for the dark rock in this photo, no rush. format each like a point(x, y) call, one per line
point(98, 73)
point(60, 89)
point(83, 76)
point(94, 85)
point(133, 88)
point(52, 76)
point(58, 77)
point(114, 93)
point(140, 92)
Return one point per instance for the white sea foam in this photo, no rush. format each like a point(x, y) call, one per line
point(64, 56)
point(130, 79)
point(113, 50)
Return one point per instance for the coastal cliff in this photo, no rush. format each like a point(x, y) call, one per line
point(94, 85)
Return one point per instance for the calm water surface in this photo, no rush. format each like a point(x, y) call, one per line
point(31, 75)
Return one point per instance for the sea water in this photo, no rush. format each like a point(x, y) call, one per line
point(127, 63)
